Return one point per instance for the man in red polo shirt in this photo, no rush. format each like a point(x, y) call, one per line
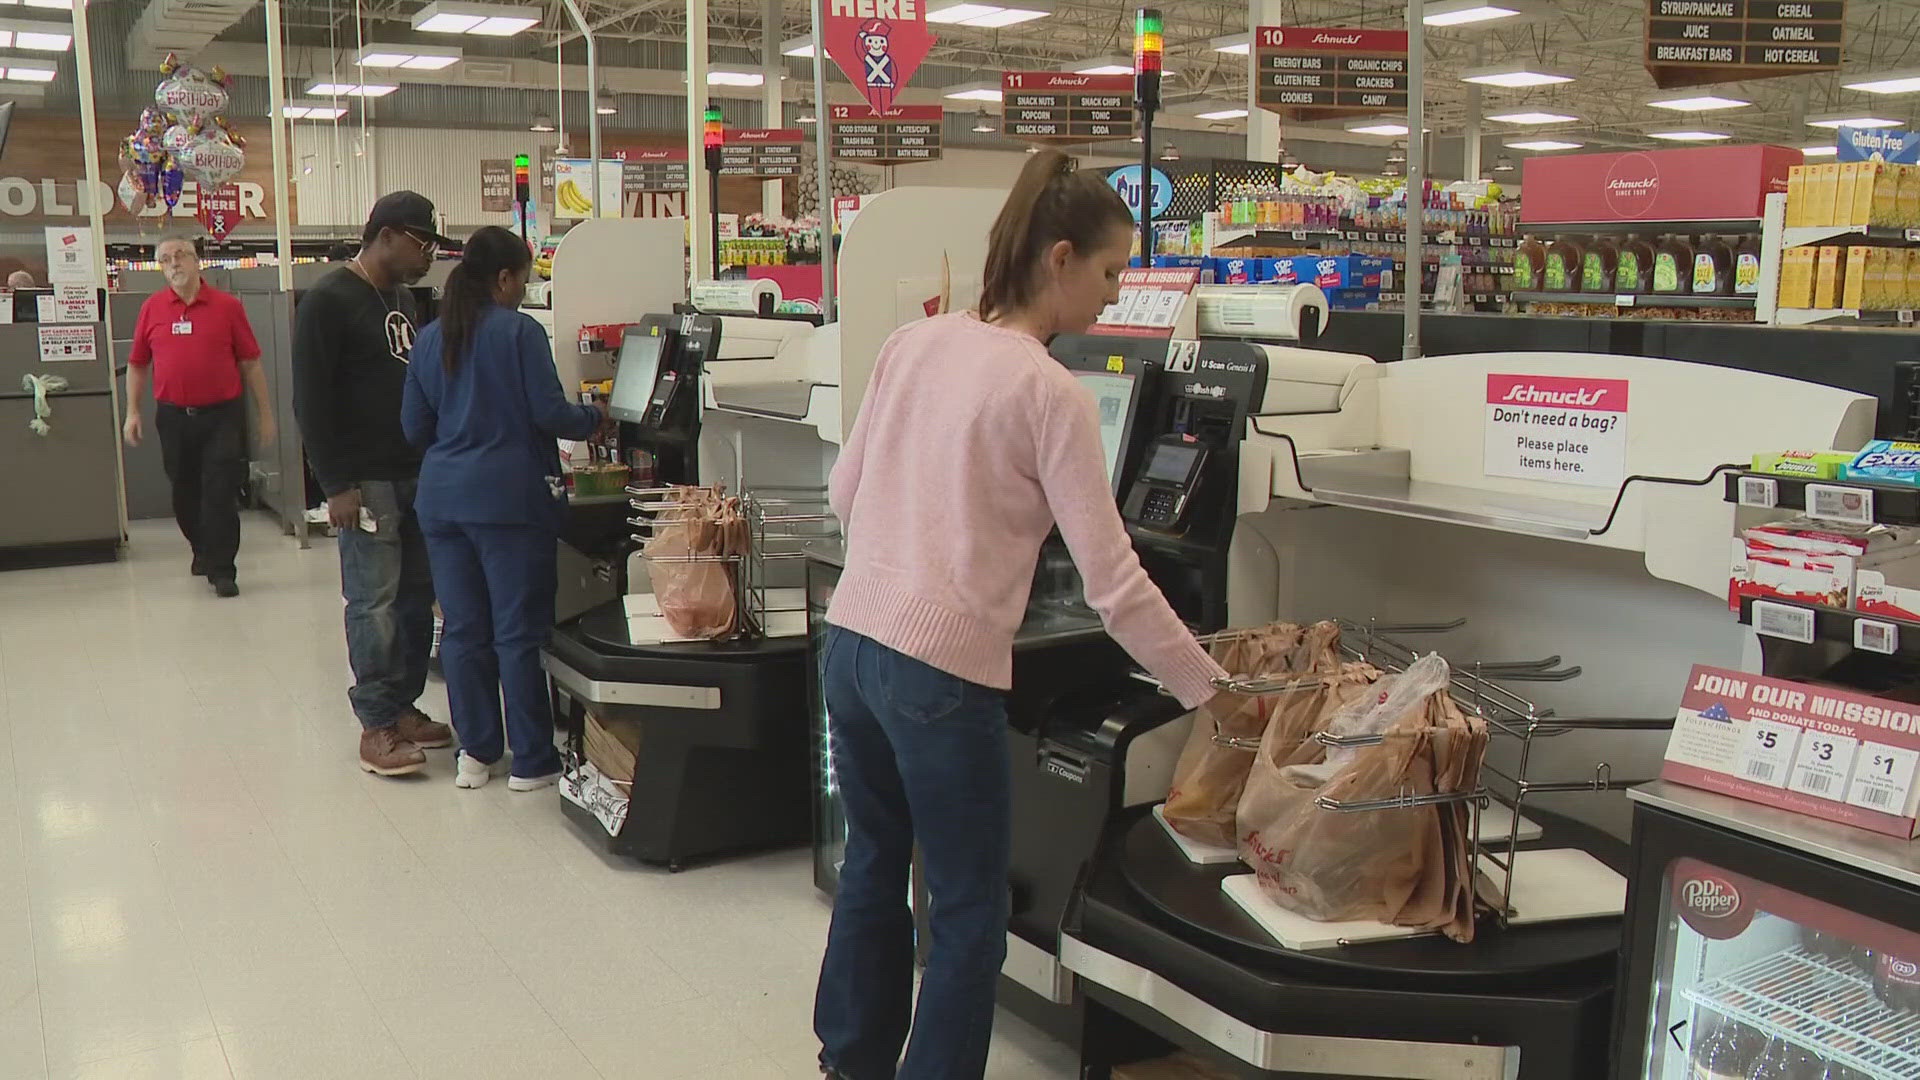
point(203, 357)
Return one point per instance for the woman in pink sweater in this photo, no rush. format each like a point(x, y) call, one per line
point(971, 446)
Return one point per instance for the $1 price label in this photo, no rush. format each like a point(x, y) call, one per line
point(1883, 778)
point(1824, 765)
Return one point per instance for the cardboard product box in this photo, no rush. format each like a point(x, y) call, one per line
point(1826, 752)
point(1880, 293)
point(1873, 594)
point(1332, 271)
point(1796, 196)
point(1886, 195)
point(1846, 202)
point(1823, 182)
point(1854, 290)
point(1806, 577)
point(1242, 271)
point(1796, 278)
point(1830, 537)
point(1909, 195)
point(1828, 278)
point(1813, 464)
point(1910, 277)
point(1353, 299)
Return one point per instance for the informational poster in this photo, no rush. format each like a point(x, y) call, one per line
point(902, 134)
point(496, 185)
point(1878, 144)
point(573, 188)
point(60, 343)
point(76, 304)
point(1150, 302)
point(1053, 106)
point(762, 153)
point(70, 255)
point(1830, 753)
point(1556, 428)
point(1693, 42)
point(218, 210)
point(1311, 72)
point(878, 44)
point(655, 170)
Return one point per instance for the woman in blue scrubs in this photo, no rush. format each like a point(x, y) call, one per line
point(484, 402)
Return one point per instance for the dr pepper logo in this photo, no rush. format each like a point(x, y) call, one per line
point(1711, 904)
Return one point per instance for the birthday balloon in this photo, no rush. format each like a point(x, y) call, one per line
point(131, 195)
point(188, 95)
point(209, 159)
point(177, 138)
point(171, 181)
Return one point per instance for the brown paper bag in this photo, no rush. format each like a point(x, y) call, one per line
point(1210, 776)
point(697, 597)
point(1270, 795)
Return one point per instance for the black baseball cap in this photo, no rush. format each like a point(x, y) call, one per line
point(407, 210)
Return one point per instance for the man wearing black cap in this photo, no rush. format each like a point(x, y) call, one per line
point(351, 335)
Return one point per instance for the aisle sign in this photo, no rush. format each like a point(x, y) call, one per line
point(1816, 750)
point(1312, 72)
point(761, 153)
point(655, 169)
point(1690, 42)
point(1557, 428)
point(1878, 144)
point(1052, 106)
point(900, 135)
point(878, 44)
point(1150, 302)
point(219, 210)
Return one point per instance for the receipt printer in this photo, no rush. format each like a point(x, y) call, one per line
point(1164, 487)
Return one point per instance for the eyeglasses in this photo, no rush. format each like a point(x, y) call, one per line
point(428, 246)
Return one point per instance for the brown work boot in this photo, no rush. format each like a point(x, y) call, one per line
point(422, 731)
point(384, 753)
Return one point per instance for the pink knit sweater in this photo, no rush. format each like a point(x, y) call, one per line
point(971, 444)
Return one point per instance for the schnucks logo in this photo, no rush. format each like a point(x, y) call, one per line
point(1324, 38)
point(1632, 186)
point(1711, 904)
point(1528, 394)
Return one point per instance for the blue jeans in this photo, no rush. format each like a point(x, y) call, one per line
point(496, 585)
point(389, 592)
point(920, 756)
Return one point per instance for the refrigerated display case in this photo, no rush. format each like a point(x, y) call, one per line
point(1765, 945)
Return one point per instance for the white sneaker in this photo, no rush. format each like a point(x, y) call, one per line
point(473, 773)
point(532, 783)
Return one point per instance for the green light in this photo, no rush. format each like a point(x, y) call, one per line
point(521, 161)
point(713, 114)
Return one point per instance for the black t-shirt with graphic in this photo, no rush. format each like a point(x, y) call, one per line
point(350, 346)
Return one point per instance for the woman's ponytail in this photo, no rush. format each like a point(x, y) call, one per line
point(1050, 202)
point(469, 287)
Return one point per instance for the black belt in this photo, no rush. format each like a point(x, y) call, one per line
point(196, 410)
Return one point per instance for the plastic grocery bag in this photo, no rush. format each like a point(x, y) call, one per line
point(696, 590)
point(1211, 773)
point(1272, 794)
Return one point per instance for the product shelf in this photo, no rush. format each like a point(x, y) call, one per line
point(1809, 316)
point(1893, 504)
point(1233, 234)
point(1635, 300)
point(1802, 235)
point(1827, 1008)
point(1806, 623)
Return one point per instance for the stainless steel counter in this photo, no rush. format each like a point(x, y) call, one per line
point(1898, 860)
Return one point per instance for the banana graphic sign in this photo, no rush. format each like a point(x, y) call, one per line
point(573, 188)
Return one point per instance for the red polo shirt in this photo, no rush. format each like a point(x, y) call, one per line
point(196, 349)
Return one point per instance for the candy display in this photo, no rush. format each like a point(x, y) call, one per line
point(1885, 462)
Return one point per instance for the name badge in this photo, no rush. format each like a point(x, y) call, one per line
point(183, 327)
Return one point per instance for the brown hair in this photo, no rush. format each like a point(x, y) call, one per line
point(1052, 201)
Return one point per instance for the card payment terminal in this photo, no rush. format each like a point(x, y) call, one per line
point(1169, 472)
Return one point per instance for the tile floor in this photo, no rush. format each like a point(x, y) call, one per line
point(197, 882)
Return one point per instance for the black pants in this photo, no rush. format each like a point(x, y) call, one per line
point(206, 458)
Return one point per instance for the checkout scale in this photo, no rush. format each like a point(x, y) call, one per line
point(1120, 942)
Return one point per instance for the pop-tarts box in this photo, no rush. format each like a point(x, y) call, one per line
point(1202, 263)
point(1353, 299)
point(1331, 271)
point(1230, 270)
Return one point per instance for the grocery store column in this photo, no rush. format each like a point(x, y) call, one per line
point(699, 239)
point(772, 30)
point(1263, 127)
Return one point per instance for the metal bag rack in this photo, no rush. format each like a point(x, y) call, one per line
point(776, 520)
point(1475, 688)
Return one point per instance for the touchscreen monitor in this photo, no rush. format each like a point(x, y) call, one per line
point(1113, 407)
point(635, 375)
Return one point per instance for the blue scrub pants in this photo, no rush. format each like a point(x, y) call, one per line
point(496, 586)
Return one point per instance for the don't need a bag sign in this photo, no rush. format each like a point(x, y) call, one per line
point(879, 44)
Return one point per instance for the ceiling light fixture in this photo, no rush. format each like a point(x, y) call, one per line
point(1514, 76)
point(1532, 119)
point(409, 57)
point(1543, 144)
point(1819, 151)
point(1169, 152)
point(1237, 44)
point(734, 75)
point(1850, 119)
point(985, 15)
point(979, 91)
point(800, 46)
point(1888, 82)
point(1689, 135)
point(312, 110)
point(1462, 12)
point(1396, 153)
point(1698, 103)
point(34, 36)
point(1377, 125)
point(333, 89)
point(1221, 114)
point(465, 17)
point(982, 123)
point(541, 122)
point(1503, 164)
point(604, 103)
